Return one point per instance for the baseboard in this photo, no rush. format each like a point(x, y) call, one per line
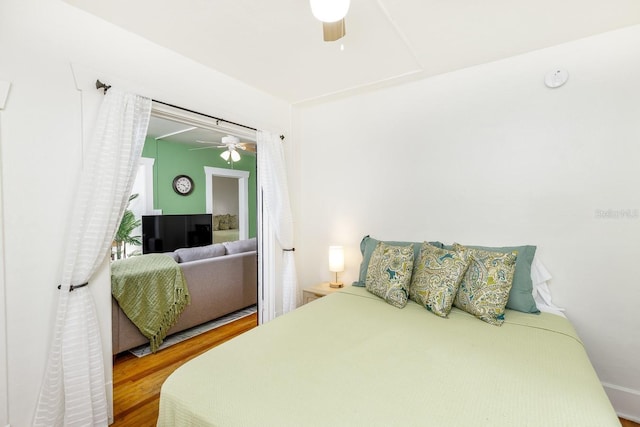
point(109, 391)
point(625, 401)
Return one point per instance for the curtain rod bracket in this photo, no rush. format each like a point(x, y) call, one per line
point(100, 85)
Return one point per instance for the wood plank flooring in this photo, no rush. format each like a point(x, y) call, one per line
point(137, 381)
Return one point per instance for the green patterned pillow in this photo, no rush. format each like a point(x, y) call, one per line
point(368, 245)
point(484, 290)
point(389, 273)
point(436, 276)
point(521, 295)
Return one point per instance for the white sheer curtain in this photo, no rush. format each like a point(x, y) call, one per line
point(73, 389)
point(273, 179)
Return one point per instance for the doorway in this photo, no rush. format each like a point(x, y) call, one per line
point(222, 187)
point(183, 135)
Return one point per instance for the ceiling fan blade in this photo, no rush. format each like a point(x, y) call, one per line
point(178, 132)
point(202, 148)
point(216, 143)
point(333, 31)
point(247, 146)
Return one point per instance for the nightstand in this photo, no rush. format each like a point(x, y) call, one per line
point(317, 291)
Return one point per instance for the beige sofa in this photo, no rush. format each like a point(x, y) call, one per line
point(221, 278)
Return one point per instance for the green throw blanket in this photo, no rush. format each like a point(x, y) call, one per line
point(152, 292)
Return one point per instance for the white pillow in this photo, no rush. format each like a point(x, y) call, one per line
point(541, 293)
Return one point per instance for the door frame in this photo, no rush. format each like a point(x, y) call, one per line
point(243, 195)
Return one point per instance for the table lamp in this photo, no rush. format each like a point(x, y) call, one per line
point(336, 264)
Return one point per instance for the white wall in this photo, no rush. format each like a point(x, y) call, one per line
point(225, 196)
point(489, 155)
point(42, 146)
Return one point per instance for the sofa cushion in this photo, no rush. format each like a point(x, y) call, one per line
point(200, 252)
point(239, 246)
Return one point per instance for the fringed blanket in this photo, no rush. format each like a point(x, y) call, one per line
point(152, 292)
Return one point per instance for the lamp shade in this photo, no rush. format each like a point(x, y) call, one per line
point(230, 153)
point(336, 258)
point(329, 10)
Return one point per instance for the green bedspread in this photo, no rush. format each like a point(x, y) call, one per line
point(152, 292)
point(350, 359)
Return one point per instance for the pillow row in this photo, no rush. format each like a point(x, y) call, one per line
point(225, 222)
point(520, 295)
point(475, 280)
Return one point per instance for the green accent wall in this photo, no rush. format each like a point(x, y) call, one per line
point(172, 159)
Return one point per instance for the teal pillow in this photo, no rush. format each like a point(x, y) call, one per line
point(521, 295)
point(368, 245)
point(485, 287)
point(437, 273)
point(389, 273)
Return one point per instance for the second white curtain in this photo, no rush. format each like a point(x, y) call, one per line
point(273, 180)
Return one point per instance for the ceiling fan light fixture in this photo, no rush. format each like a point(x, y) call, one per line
point(230, 139)
point(332, 31)
point(230, 153)
point(329, 10)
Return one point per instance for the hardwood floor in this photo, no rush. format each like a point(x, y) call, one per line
point(137, 381)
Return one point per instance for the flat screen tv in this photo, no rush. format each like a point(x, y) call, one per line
point(166, 233)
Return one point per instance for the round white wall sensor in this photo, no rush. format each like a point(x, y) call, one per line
point(556, 78)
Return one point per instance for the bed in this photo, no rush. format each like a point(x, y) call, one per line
point(225, 228)
point(221, 236)
point(351, 359)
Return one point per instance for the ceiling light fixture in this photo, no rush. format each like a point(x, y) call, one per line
point(231, 142)
point(230, 153)
point(331, 13)
point(329, 10)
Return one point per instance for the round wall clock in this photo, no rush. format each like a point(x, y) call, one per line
point(183, 185)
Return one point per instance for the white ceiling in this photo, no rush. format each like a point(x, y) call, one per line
point(162, 129)
point(168, 130)
point(276, 45)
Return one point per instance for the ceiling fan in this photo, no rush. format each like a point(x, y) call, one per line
point(231, 144)
point(331, 13)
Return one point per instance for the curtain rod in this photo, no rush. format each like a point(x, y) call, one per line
point(106, 87)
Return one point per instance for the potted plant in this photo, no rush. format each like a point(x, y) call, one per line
point(123, 235)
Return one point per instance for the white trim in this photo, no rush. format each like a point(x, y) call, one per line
point(147, 163)
point(266, 267)
point(625, 401)
point(101, 282)
point(4, 386)
point(243, 194)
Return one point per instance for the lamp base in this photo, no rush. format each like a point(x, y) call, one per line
point(336, 284)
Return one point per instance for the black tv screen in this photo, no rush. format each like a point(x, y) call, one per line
point(166, 233)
